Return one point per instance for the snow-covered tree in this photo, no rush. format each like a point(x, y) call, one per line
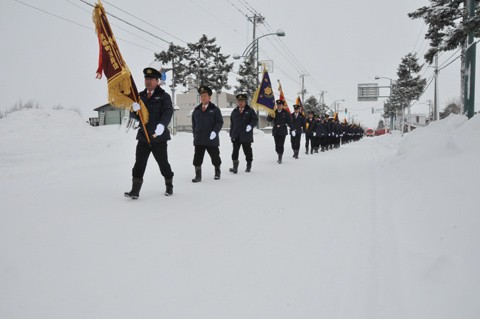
point(407, 88)
point(409, 85)
point(176, 56)
point(448, 24)
point(207, 64)
point(247, 79)
point(312, 104)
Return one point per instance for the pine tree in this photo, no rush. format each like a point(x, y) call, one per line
point(448, 24)
point(207, 64)
point(408, 87)
point(247, 82)
point(176, 55)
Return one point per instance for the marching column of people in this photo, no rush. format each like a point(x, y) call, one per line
point(322, 133)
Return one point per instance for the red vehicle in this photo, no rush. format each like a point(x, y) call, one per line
point(369, 132)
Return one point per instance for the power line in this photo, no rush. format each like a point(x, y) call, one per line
point(130, 24)
point(241, 12)
point(249, 8)
point(214, 16)
point(79, 24)
point(54, 15)
point(123, 29)
point(146, 22)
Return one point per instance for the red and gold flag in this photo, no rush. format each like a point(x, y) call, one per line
point(282, 97)
point(299, 102)
point(122, 91)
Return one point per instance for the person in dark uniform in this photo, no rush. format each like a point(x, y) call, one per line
point(159, 106)
point(322, 134)
point(207, 122)
point(280, 120)
point(242, 121)
point(297, 128)
point(310, 132)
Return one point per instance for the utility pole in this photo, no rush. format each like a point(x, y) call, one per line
point(256, 19)
point(303, 91)
point(322, 100)
point(430, 112)
point(435, 98)
point(470, 61)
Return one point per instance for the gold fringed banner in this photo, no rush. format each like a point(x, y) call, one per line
point(122, 91)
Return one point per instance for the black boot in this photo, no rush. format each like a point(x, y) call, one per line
point(279, 161)
point(198, 174)
point(169, 187)
point(234, 170)
point(249, 167)
point(314, 149)
point(217, 172)
point(306, 150)
point(136, 186)
point(295, 154)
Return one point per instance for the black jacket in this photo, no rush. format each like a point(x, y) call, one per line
point(203, 123)
point(280, 122)
point(160, 110)
point(321, 129)
point(240, 121)
point(298, 124)
point(310, 126)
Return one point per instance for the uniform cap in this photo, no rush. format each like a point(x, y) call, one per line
point(205, 89)
point(241, 96)
point(151, 73)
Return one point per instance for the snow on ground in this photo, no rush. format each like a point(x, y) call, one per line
point(382, 228)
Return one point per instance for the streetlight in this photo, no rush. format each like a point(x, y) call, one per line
point(254, 46)
point(279, 33)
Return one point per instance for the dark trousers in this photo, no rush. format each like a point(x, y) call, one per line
point(213, 151)
point(309, 140)
point(316, 141)
point(296, 141)
point(247, 150)
point(279, 143)
point(160, 154)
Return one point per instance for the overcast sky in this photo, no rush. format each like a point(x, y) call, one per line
point(51, 57)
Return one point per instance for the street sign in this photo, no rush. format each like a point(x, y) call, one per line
point(368, 92)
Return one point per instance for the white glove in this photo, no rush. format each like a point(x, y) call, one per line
point(159, 130)
point(249, 128)
point(294, 133)
point(213, 135)
point(135, 106)
point(314, 133)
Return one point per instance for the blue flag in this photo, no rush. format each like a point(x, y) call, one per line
point(264, 98)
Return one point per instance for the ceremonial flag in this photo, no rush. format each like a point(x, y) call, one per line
point(263, 97)
point(299, 102)
point(122, 91)
point(282, 97)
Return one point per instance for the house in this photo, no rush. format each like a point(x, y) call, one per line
point(415, 120)
point(107, 115)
